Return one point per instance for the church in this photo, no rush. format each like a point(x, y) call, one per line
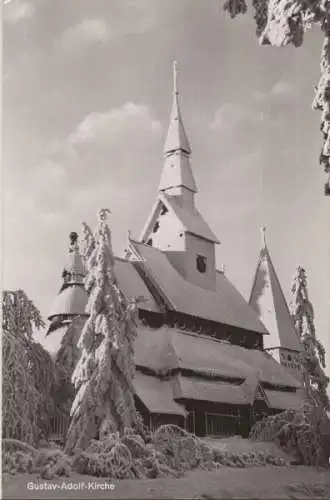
point(206, 359)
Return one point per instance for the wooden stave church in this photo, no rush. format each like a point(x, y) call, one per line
point(206, 359)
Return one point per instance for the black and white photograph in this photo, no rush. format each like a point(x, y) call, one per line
point(165, 243)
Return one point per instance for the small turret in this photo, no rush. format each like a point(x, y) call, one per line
point(72, 298)
point(268, 300)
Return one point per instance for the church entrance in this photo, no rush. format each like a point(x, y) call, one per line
point(213, 423)
point(219, 424)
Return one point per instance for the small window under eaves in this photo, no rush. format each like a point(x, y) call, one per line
point(156, 227)
point(163, 210)
point(201, 263)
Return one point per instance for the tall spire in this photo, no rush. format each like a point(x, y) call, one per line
point(177, 178)
point(175, 78)
point(176, 139)
point(263, 237)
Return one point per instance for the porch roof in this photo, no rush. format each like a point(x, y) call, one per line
point(208, 390)
point(157, 395)
point(165, 349)
point(284, 400)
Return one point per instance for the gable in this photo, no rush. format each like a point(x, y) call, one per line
point(190, 221)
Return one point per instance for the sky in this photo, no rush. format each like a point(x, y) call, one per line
point(86, 102)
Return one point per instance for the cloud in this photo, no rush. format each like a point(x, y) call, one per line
point(262, 109)
point(107, 152)
point(121, 18)
point(15, 11)
point(281, 90)
point(230, 114)
point(87, 32)
point(104, 162)
point(116, 125)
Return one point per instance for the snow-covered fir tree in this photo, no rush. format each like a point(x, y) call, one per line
point(66, 361)
point(28, 375)
point(87, 243)
point(284, 22)
point(104, 401)
point(313, 357)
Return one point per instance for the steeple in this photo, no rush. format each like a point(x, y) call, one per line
point(175, 226)
point(263, 237)
point(176, 139)
point(177, 178)
point(268, 300)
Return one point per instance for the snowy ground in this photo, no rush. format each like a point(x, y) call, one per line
point(237, 444)
point(256, 483)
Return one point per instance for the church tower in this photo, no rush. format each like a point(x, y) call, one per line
point(267, 299)
point(175, 226)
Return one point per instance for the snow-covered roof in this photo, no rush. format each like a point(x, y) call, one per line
point(133, 286)
point(285, 400)
point(192, 221)
point(225, 305)
point(169, 349)
point(213, 391)
point(177, 172)
point(71, 300)
point(156, 395)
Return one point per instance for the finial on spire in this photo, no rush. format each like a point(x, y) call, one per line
point(103, 214)
point(73, 241)
point(175, 78)
point(263, 236)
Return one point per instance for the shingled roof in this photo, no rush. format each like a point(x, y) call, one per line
point(166, 349)
point(156, 395)
point(215, 391)
point(218, 372)
point(133, 286)
point(192, 221)
point(168, 396)
point(225, 305)
point(285, 400)
point(71, 300)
